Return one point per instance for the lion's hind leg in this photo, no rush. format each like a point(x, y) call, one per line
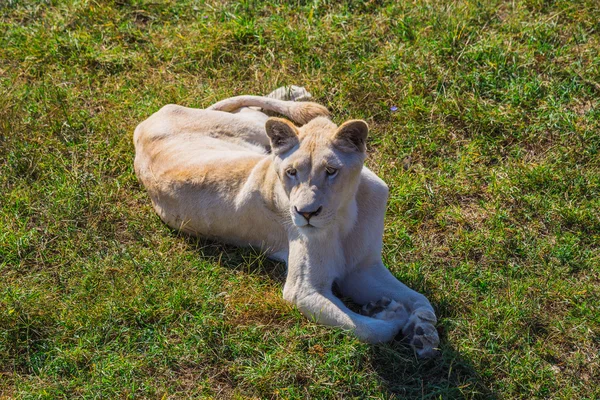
point(290, 93)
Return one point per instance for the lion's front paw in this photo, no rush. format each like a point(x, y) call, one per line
point(421, 333)
point(386, 309)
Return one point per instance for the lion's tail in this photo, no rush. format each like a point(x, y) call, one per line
point(300, 112)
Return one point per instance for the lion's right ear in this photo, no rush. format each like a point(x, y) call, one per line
point(283, 134)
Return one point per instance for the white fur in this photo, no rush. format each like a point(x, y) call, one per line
point(210, 173)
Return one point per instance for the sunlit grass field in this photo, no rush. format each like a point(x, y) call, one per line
point(485, 123)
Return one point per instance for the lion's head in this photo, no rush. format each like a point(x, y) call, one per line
point(319, 166)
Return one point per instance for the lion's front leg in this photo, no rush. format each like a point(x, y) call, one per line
point(325, 308)
point(371, 284)
point(383, 296)
point(312, 269)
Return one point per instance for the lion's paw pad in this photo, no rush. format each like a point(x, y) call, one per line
point(421, 333)
point(385, 309)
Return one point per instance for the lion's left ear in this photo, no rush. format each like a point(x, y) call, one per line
point(352, 136)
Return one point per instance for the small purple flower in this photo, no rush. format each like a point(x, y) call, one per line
point(393, 108)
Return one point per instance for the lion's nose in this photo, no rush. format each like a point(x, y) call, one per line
point(309, 214)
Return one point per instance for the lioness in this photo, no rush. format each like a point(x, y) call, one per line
point(302, 195)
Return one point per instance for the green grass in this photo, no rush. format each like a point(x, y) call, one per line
point(492, 158)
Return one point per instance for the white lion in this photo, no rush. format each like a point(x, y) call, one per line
point(302, 195)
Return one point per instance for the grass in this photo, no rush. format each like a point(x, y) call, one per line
point(491, 154)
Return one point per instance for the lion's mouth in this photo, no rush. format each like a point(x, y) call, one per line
point(308, 225)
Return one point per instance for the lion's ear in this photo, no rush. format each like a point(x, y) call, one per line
point(352, 136)
point(283, 134)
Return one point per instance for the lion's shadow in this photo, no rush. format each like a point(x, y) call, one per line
point(450, 375)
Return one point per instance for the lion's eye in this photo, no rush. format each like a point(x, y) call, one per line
point(331, 172)
point(290, 172)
